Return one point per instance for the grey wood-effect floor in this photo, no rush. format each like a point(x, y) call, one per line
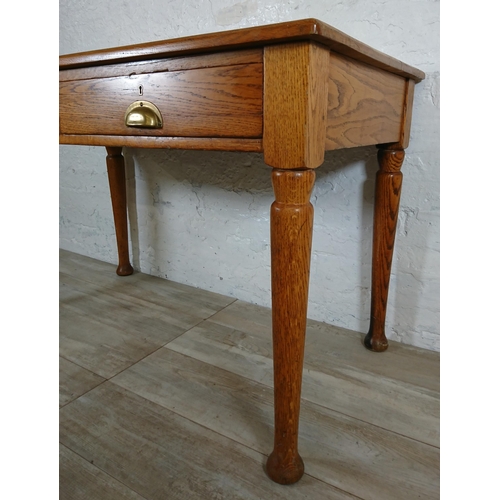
point(166, 393)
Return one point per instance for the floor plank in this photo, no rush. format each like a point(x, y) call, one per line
point(356, 385)
point(98, 347)
point(365, 460)
point(74, 381)
point(188, 410)
point(80, 480)
point(161, 292)
point(160, 455)
point(107, 322)
point(412, 365)
point(118, 309)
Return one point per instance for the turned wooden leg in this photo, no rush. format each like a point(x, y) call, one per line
point(291, 237)
point(117, 187)
point(387, 194)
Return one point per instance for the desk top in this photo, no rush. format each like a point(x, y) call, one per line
point(306, 29)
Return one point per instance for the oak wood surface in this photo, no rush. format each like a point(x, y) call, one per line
point(229, 58)
point(295, 90)
point(320, 89)
point(118, 190)
point(365, 105)
point(388, 185)
point(291, 240)
point(404, 139)
point(291, 31)
point(204, 143)
point(295, 97)
point(207, 102)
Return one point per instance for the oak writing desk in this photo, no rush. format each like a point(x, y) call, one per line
point(289, 90)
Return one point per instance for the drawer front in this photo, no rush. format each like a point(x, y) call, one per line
point(205, 102)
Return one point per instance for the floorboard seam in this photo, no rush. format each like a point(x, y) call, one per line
point(83, 367)
point(83, 394)
point(161, 346)
point(195, 341)
point(302, 399)
point(199, 323)
point(229, 438)
point(103, 471)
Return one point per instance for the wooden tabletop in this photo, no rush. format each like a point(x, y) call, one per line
point(305, 29)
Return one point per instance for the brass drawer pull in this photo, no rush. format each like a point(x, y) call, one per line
point(143, 114)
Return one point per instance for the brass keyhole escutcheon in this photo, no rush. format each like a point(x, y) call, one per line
point(143, 114)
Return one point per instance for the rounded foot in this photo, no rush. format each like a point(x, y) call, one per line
point(124, 270)
point(375, 345)
point(284, 472)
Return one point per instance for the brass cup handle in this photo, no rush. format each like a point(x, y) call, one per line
point(143, 114)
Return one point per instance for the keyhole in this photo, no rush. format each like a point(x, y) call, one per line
point(140, 89)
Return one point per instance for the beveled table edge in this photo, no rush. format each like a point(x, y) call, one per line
point(258, 36)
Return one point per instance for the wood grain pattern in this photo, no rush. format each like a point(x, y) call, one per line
point(198, 425)
point(338, 374)
point(80, 480)
point(344, 452)
point(99, 347)
point(118, 190)
point(107, 326)
point(161, 455)
point(152, 318)
point(291, 31)
point(295, 97)
point(291, 240)
point(230, 58)
point(207, 102)
point(404, 140)
point(297, 89)
point(116, 309)
point(75, 381)
point(388, 185)
point(204, 143)
point(178, 304)
point(365, 105)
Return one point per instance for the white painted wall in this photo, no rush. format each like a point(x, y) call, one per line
point(202, 218)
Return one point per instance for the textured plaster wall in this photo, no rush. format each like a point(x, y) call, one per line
point(202, 218)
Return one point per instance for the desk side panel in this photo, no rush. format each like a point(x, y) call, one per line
point(365, 104)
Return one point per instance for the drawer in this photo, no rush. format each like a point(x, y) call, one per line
point(224, 101)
